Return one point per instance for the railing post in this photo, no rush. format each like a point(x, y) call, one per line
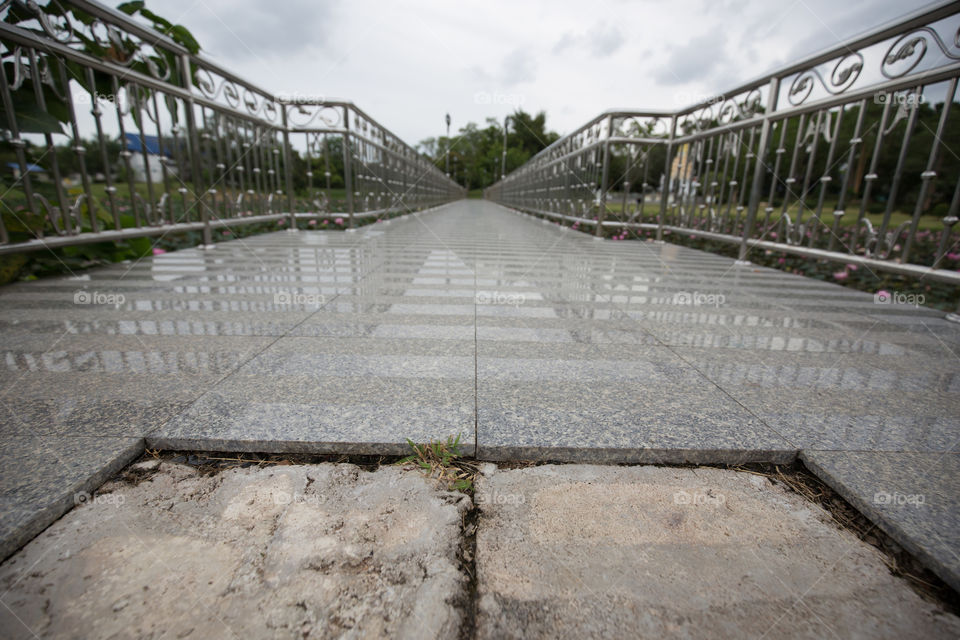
point(758, 171)
point(19, 147)
point(604, 178)
point(347, 168)
point(665, 187)
point(288, 168)
point(195, 171)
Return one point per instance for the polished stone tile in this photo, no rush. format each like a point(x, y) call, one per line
point(43, 477)
point(850, 401)
point(471, 318)
point(335, 395)
point(109, 385)
point(612, 403)
point(914, 497)
point(151, 323)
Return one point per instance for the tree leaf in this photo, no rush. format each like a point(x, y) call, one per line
point(32, 119)
point(131, 8)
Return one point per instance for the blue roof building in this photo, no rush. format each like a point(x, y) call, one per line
point(152, 144)
point(35, 168)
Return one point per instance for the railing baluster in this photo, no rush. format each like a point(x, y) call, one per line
point(901, 160)
point(929, 174)
point(855, 142)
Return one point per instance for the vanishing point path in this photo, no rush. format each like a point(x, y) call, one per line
point(529, 340)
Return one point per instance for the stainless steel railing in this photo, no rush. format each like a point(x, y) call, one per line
point(851, 155)
point(199, 147)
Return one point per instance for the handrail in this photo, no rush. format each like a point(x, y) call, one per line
point(222, 140)
point(775, 163)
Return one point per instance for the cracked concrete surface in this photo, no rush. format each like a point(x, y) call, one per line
point(580, 551)
point(290, 551)
point(562, 551)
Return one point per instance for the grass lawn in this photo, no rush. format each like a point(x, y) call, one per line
point(930, 222)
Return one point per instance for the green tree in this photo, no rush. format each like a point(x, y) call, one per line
point(476, 151)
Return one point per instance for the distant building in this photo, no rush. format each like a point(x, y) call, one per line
point(681, 171)
point(155, 157)
point(36, 171)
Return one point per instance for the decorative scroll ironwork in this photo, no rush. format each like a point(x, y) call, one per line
point(204, 145)
point(778, 163)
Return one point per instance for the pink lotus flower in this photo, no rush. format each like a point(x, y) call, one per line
point(781, 260)
point(339, 221)
point(773, 235)
point(158, 252)
point(852, 267)
point(281, 222)
point(953, 256)
point(840, 275)
point(312, 223)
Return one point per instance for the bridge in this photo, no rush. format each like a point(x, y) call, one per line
point(419, 314)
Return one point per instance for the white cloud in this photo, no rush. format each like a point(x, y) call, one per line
point(409, 64)
point(518, 67)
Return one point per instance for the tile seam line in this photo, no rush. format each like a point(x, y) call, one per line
point(476, 366)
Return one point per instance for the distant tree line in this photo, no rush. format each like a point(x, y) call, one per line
point(476, 152)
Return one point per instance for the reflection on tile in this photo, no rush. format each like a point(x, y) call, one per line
point(852, 401)
point(109, 385)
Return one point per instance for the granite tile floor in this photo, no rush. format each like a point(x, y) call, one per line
point(529, 340)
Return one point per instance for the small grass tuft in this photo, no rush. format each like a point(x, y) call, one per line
point(442, 461)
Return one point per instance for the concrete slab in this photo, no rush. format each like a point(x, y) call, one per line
point(579, 551)
point(292, 551)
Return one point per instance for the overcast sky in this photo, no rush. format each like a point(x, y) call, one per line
point(409, 63)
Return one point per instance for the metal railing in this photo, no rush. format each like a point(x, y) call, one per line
point(181, 143)
point(851, 155)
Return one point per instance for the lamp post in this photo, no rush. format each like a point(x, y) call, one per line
point(503, 158)
point(447, 154)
